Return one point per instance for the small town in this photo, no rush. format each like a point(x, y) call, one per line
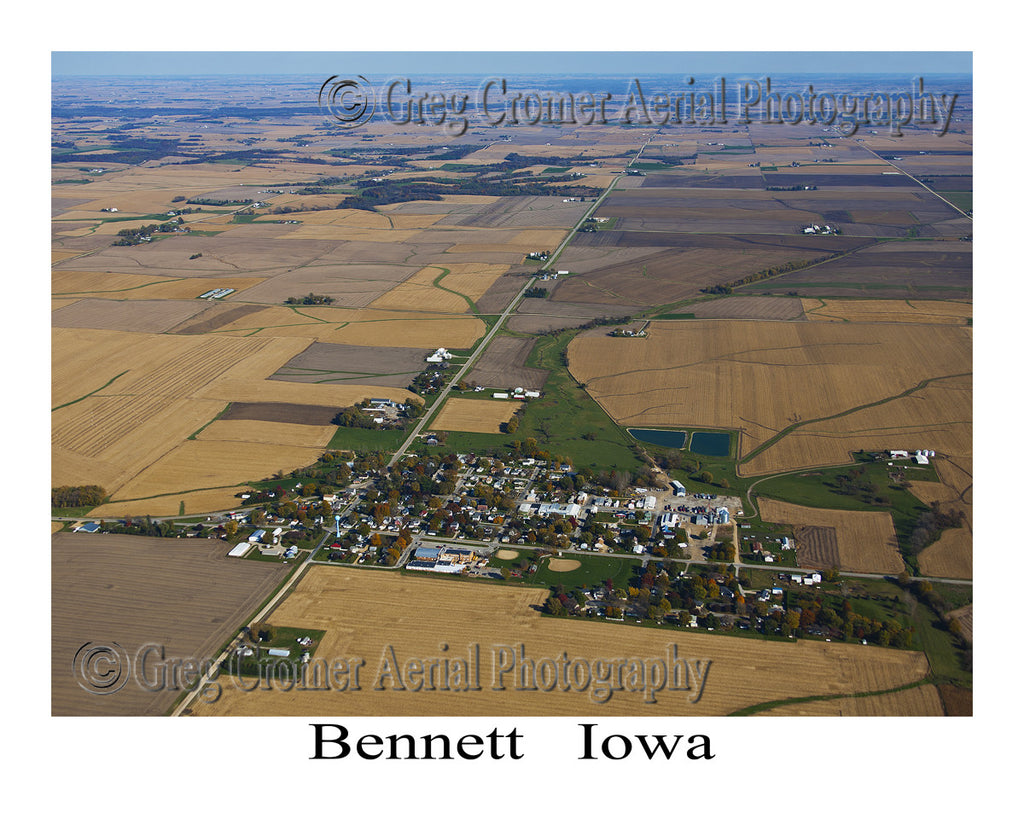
point(655, 555)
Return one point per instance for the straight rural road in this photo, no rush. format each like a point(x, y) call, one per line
point(465, 368)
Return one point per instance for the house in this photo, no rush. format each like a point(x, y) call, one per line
point(91, 526)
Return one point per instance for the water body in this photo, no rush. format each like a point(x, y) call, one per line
point(671, 438)
point(715, 444)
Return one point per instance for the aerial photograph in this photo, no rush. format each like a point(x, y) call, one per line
point(541, 393)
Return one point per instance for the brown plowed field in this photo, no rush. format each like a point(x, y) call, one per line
point(322, 363)
point(283, 413)
point(817, 546)
point(184, 595)
point(132, 316)
point(214, 317)
point(899, 275)
point(503, 365)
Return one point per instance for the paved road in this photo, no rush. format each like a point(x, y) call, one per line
point(918, 181)
point(464, 370)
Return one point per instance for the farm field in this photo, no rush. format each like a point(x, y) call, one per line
point(322, 363)
point(896, 274)
point(927, 312)
point(827, 538)
point(741, 672)
point(937, 416)
point(185, 595)
point(919, 701)
point(124, 286)
point(952, 555)
point(503, 365)
point(474, 415)
point(366, 327)
point(209, 464)
point(122, 402)
point(732, 375)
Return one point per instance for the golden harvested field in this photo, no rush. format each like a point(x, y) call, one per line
point(763, 377)
point(270, 432)
point(472, 279)
point(474, 415)
point(239, 387)
point(350, 233)
point(197, 502)
point(125, 403)
point(932, 491)
point(367, 327)
point(865, 541)
point(419, 292)
point(930, 312)
point(920, 701)
point(741, 672)
point(357, 219)
point(208, 464)
point(938, 417)
point(952, 555)
point(428, 289)
point(99, 284)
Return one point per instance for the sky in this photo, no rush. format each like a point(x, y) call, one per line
point(167, 63)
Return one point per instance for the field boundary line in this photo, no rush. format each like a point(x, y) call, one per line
point(770, 704)
point(90, 394)
point(793, 427)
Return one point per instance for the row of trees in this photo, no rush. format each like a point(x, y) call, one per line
point(310, 299)
point(70, 496)
point(769, 273)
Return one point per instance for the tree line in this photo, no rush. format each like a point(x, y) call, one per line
point(70, 496)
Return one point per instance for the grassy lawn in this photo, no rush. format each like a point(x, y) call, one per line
point(939, 646)
point(820, 488)
point(565, 421)
point(367, 440)
point(593, 571)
